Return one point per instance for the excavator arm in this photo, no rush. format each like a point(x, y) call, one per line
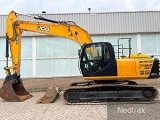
point(13, 89)
point(15, 28)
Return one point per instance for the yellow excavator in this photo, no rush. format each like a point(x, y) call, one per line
point(109, 78)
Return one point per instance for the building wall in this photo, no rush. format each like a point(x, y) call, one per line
point(46, 56)
point(101, 23)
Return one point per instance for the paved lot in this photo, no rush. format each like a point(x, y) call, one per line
point(30, 110)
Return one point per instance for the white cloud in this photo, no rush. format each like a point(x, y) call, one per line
point(129, 5)
point(76, 6)
point(157, 7)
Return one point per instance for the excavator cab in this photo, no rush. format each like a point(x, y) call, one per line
point(98, 59)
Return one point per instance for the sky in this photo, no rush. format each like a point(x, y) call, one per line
point(77, 6)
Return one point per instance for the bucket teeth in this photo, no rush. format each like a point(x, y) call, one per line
point(50, 96)
point(14, 92)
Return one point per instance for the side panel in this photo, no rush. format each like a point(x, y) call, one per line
point(144, 67)
point(126, 67)
point(140, 67)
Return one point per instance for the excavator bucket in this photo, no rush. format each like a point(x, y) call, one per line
point(51, 95)
point(14, 92)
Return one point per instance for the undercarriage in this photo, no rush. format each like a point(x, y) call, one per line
point(117, 91)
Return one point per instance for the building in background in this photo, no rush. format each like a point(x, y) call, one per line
point(48, 56)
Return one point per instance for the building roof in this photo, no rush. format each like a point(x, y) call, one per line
point(104, 23)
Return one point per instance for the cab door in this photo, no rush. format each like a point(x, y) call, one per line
point(98, 59)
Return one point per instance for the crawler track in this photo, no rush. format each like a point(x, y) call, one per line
point(92, 92)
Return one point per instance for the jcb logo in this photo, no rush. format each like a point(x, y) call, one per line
point(42, 28)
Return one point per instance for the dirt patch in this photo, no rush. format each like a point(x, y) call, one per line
point(41, 84)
